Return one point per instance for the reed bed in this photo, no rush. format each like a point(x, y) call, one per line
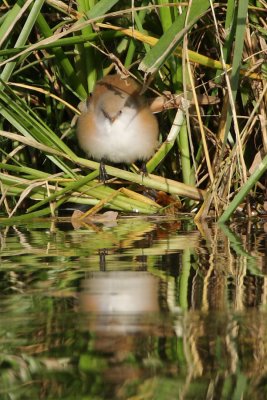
point(212, 155)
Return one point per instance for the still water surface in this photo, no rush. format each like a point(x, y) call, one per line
point(136, 309)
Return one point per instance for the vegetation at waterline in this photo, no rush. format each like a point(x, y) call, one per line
point(212, 152)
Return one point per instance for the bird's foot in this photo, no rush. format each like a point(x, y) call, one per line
point(143, 169)
point(103, 176)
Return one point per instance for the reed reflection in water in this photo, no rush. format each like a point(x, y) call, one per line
point(142, 309)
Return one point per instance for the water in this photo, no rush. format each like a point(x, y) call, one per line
point(141, 308)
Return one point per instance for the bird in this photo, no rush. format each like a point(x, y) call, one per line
point(117, 125)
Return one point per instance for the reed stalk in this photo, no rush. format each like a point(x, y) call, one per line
point(51, 56)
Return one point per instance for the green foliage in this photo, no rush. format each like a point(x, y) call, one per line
point(51, 56)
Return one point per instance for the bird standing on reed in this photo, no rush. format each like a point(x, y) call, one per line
point(118, 125)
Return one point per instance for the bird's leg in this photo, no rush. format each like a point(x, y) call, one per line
point(102, 259)
point(143, 169)
point(103, 176)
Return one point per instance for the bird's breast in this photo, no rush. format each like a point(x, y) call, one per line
point(131, 135)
